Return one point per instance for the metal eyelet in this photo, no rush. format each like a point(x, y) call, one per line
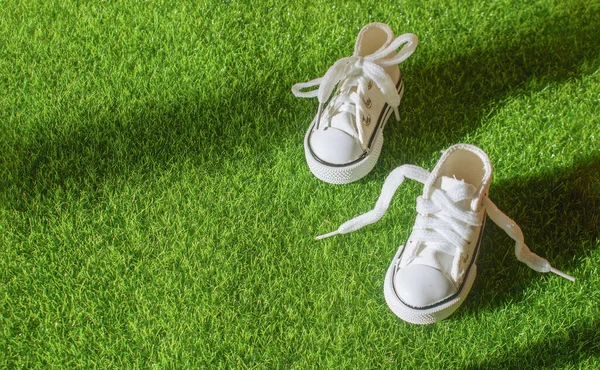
point(368, 103)
point(370, 85)
point(366, 120)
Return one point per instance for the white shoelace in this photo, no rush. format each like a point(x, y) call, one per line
point(355, 72)
point(451, 226)
point(443, 226)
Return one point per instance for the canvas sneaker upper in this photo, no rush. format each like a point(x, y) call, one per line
point(442, 243)
point(366, 83)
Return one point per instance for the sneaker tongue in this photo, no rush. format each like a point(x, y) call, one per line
point(447, 183)
point(452, 186)
point(344, 121)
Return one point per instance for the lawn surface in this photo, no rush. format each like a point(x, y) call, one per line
point(156, 210)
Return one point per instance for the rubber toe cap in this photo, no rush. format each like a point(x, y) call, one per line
point(421, 285)
point(334, 146)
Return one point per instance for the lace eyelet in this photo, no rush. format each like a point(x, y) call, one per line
point(368, 103)
point(366, 120)
point(370, 85)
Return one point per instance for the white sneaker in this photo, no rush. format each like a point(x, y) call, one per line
point(345, 138)
point(432, 274)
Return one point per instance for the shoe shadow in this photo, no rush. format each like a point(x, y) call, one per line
point(566, 351)
point(559, 214)
point(445, 101)
point(209, 133)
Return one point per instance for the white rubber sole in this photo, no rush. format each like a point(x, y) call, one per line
point(345, 174)
point(424, 316)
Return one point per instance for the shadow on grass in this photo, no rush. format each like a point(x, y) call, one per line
point(124, 143)
point(567, 350)
point(447, 100)
point(559, 214)
point(213, 132)
point(560, 217)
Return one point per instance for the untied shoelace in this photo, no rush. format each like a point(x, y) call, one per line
point(396, 178)
point(357, 71)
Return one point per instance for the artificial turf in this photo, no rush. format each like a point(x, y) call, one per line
point(156, 210)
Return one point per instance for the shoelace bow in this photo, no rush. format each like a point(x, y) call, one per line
point(356, 71)
point(451, 231)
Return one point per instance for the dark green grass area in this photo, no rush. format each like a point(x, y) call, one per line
point(156, 210)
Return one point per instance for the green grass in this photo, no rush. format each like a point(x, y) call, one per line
point(156, 210)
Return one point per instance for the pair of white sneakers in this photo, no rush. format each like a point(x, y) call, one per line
point(431, 275)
